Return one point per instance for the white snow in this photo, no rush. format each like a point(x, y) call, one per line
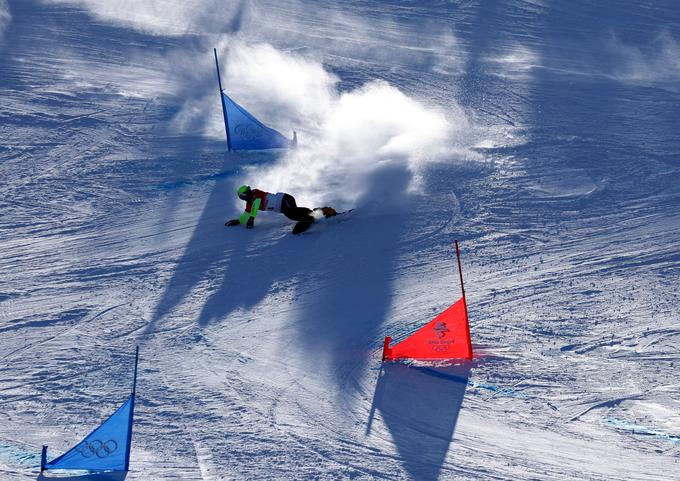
point(520, 128)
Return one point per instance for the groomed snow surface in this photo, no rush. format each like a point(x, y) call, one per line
point(542, 135)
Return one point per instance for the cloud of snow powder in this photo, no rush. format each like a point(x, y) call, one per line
point(344, 137)
point(516, 61)
point(160, 17)
point(5, 17)
point(656, 62)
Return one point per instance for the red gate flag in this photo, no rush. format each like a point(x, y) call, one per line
point(447, 336)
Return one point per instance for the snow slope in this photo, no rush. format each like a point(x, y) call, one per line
point(542, 135)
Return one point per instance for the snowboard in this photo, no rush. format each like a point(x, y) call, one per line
point(304, 225)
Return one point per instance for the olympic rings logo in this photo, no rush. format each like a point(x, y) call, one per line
point(248, 132)
point(98, 448)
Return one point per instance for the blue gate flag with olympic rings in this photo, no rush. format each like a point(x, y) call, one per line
point(245, 132)
point(105, 448)
point(248, 133)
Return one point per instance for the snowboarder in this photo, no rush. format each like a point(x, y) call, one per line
point(258, 200)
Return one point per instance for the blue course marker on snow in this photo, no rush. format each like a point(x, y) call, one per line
point(107, 448)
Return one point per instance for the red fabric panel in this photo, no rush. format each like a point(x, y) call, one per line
point(447, 336)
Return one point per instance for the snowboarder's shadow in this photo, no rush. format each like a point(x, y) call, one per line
point(337, 258)
point(419, 407)
point(105, 476)
point(212, 248)
point(250, 275)
point(343, 318)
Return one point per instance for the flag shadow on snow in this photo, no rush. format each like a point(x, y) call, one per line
point(419, 406)
point(108, 476)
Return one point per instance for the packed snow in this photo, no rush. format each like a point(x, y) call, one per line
point(541, 135)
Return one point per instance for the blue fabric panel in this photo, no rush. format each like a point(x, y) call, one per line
point(104, 448)
point(248, 133)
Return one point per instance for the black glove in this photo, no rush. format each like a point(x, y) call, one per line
point(251, 223)
point(232, 222)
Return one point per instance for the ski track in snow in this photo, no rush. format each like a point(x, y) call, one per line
point(260, 351)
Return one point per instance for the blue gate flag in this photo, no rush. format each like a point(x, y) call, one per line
point(245, 132)
point(248, 133)
point(105, 448)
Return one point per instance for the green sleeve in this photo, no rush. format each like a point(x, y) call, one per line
point(253, 213)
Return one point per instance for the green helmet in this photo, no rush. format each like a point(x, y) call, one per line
point(243, 191)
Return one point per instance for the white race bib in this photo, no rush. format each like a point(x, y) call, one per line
point(274, 202)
